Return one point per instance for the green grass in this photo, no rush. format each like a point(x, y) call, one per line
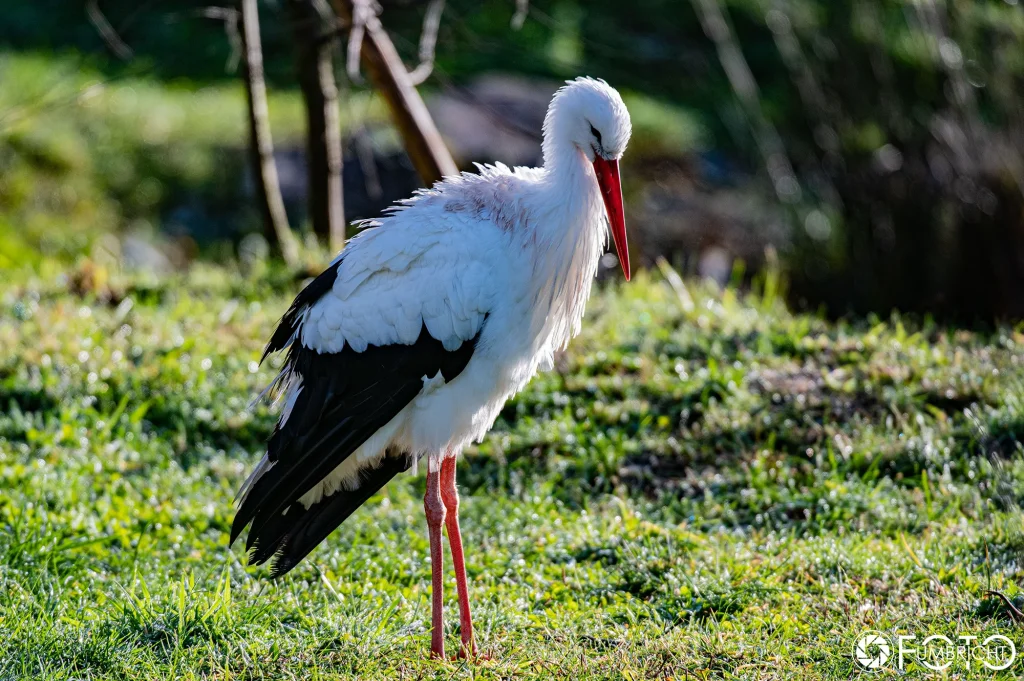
point(715, 490)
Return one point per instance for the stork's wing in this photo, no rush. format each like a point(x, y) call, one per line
point(344, 399)
point(363, 337)
point(392, 281)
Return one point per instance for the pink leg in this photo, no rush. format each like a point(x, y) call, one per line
point(435, 511)
point(450, 495)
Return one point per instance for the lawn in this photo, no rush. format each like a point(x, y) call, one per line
point(707, 486)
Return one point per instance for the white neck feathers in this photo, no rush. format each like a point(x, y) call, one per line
point(565, 245)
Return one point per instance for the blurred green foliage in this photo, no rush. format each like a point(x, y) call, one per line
point(897, 123)
point(656, 47)
point(83, 154)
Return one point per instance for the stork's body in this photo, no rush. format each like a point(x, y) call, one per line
point(410, 343)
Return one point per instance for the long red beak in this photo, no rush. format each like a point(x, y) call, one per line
point(611, 191)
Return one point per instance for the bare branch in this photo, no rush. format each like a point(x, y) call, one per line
point(362, 12)
point(230, 17)
point(428, 42)
point(315, 67)
point(268, 188)
point(106, 31)
point(423, 142)
point(324, 10)
point(519, 18)
point(1015, 615)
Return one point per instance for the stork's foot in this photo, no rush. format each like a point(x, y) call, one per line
point(465, 652)
point(472, 655)
point(467, 648)
point(460, 656)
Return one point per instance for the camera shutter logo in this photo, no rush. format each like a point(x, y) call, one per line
point(872, 650)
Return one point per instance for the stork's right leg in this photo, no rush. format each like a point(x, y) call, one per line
point(434, 507)
point(450, 496)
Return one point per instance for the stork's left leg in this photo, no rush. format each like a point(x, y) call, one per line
point(450, 495)
point(434, 507)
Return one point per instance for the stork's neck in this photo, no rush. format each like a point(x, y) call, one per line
point(560, 152)
point(566, 240)
point(568, 204)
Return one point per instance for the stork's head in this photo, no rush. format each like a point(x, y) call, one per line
point(588, 117)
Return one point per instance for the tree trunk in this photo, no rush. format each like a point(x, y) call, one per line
point(389, 77)
point(268, 190)
point(315, 65)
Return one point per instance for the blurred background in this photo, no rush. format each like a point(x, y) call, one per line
point(872, 151)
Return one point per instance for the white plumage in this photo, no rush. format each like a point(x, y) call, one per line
point(520, 246)
point(502, 259)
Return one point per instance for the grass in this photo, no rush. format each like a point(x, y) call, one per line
point(702, 489)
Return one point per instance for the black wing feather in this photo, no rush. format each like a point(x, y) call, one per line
point(346, 397)
point(313, 292)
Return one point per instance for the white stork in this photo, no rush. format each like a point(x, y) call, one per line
point(410, 343)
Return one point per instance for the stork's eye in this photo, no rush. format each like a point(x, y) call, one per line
point(595, 133)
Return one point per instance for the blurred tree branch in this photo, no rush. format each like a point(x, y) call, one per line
point(519, 18)
point(388, 75)
point(428, 42)
point(106, 31)
point(268, 189)
point(315, 66)
point(230, 16)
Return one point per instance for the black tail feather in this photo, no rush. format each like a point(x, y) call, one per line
point(346, 397)
point(291, 536)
